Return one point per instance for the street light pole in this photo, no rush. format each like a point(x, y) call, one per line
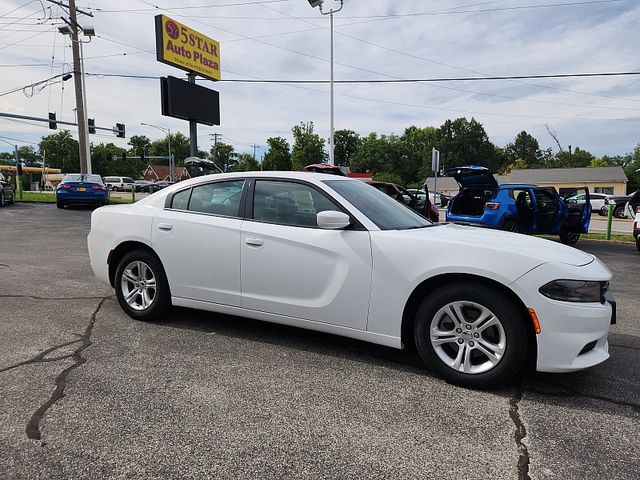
point(318, 3)
point(172, 163)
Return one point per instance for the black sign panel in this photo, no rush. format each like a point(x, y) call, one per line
point(189, 101)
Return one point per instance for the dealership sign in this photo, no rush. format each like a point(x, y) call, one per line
point(182, 47)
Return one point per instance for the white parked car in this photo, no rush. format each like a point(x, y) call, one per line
point(332, 254)
point(119, 184)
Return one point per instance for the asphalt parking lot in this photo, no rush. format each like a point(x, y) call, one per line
point(89, 393)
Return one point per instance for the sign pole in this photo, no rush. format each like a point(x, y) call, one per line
point(435, 166)
point(193, 126)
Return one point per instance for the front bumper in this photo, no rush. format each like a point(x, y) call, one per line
point(573, 335)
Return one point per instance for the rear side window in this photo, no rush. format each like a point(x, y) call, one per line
point(220, 198)
point(180, 200)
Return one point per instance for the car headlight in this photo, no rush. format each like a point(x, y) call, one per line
point(575, 290)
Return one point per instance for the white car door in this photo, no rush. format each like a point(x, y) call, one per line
point(291, 267)
point(198, 241)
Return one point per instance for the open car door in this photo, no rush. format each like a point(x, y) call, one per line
point(579, 207)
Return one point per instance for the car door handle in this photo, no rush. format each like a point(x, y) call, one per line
point(165, 226)
point(254, 242)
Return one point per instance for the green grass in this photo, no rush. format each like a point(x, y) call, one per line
point(50, 197)
point(615, 237)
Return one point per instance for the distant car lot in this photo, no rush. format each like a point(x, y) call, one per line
point(212, 395)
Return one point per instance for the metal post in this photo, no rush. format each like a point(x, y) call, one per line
point(331, 159)
point(609, 220)
point(83, 132)
point(193, 126)
point(18, 177)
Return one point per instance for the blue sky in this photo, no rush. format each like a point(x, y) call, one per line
point(287, 40)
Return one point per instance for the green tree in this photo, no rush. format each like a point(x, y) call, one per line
point(526, 149)
point(179, 147)
point(633, 169)
point(139, 145)
point(61, 151)
point(573, 159)
point(109, 159)
point(464, 142)
point(278, 156)
point(308, 147)
point(224, 156)
point(418, 144)
point(345, 146)
point(246, 163)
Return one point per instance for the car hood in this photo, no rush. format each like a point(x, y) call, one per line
point(473, 176)
point(497, 244)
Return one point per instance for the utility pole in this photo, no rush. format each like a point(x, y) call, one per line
point(254, 152)
point(83, 131)
point(215, 145)
point(193, 125)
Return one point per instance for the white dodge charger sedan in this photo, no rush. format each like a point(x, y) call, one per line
point(333, 254)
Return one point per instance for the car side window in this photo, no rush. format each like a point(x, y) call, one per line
point(180, 200)
point(219, 198)
point(288, 203)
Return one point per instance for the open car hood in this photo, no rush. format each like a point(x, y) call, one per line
point(198, 167)
point(473, 176)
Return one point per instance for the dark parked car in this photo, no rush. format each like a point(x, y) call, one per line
point(81, 188)
point(162, 184)
point(143, 186)
point(402, 195)
point(437, 198)
point(324, 168)
point(619, 202)
point(518, 208)
point(7, 192)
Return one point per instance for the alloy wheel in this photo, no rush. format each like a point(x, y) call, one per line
point(468, 337)
point(138, 285)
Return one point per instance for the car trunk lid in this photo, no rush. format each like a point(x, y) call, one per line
point(473, 176)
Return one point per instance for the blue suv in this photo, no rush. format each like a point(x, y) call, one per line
point(518, 208)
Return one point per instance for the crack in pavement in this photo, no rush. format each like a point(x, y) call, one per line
point(623, 346)
point(520, 433)
point(33, 426)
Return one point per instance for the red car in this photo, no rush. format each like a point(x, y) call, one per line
point(402, 195)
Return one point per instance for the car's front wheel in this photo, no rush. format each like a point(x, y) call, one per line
point(141, 286)
point(618, 210)
point(471, 335)
point(569, 238)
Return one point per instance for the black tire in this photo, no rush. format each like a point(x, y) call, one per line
point(511, 225)
point(618, 210)
point(638, 243)
point(59, 204)
point(509, 316)
point(2, 199)
point(160, 305)
point(569, 238)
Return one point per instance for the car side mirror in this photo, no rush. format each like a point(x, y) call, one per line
point(332, 220)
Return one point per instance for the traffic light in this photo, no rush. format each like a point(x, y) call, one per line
point(142, 155)
point(120, 130)
point(52, 121)
point(124, 156)
point(92, 125)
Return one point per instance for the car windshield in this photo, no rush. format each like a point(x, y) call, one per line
point(384, 211)
point(80, 177)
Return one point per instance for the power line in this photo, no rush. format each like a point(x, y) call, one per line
point(391, 80)
point(186, 7)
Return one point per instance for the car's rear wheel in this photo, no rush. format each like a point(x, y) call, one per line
point(569, 238)
point(471, 335)
point(59, 204)
point(618, 210)
point(141, 286)
point(511, 225)
point(1, 199)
